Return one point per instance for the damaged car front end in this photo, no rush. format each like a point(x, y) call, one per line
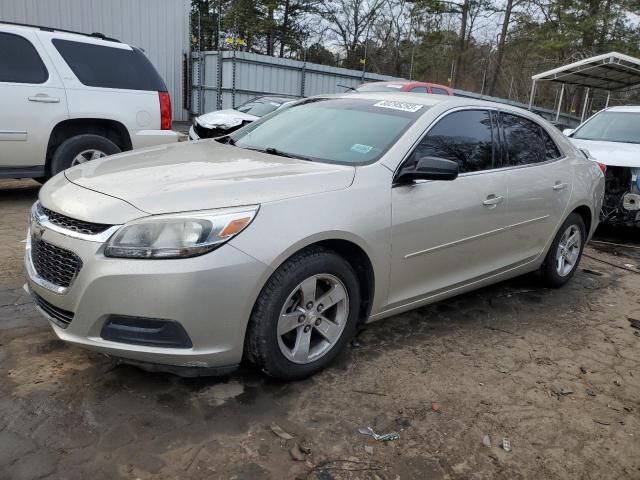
point(621, 204)
point(222, 122)
point(612, 138)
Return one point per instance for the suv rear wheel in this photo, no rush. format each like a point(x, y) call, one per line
point(81, 149)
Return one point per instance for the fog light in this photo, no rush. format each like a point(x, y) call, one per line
point(151, 332)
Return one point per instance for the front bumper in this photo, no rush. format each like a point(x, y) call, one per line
point(192, 134)
point(210, 296)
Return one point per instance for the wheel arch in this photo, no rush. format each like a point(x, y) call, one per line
point(110, 129)
point(587, 217)
point(351, 251)
point(345, 244)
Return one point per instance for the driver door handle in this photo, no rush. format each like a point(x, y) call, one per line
point(43, 98)
point(559, 186)
point(493, 201)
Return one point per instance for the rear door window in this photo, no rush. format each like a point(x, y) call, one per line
point(551, 150)
point(19, 61)
point(526, 142)
point(109, 67)
point(439, 91)
point(466, 137)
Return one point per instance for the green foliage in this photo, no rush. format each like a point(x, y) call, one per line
point(442, 41)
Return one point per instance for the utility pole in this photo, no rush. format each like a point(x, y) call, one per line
point(413, 45)
point(364, 60)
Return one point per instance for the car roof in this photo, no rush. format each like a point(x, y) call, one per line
point(419, 98)
point(625, 108)
point(429, 99)
point(278, 98)
point(69, 33)
point(396, 82)
point(405, 82)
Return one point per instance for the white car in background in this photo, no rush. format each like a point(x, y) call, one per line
point(222, 122)
point(612, 136)
point(67, 98)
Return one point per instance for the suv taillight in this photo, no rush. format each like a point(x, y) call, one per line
point(603, 167)
point(165, 110)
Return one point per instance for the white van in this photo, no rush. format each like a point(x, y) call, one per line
point(66, 98)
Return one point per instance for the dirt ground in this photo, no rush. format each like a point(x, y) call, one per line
point(554, 371)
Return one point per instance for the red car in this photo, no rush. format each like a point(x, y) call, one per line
point(405, 86)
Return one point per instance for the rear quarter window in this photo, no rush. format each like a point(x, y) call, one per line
point(109, 67)
point(19, 61)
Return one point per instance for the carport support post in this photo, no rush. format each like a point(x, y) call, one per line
point(608, 97)
point(533, 92)
point(560, 102)
point(584, 107)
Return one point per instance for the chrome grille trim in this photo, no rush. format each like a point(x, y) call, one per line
point(62, 318)
point(75, 225)
point(39, 217)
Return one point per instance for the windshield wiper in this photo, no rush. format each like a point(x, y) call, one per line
point(226, 139)
point(280, 153)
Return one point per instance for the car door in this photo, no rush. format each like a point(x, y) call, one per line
point(32, 101)
point(540, 183)
point(448, 233)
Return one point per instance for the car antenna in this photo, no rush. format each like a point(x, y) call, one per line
point(347, 87)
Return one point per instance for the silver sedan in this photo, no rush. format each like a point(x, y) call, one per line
point(273, 243)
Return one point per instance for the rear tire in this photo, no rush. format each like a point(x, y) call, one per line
point(72, 150)
point(306, 313)
point(564, 255)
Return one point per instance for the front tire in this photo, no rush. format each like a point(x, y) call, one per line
point(564, 255)
point(304, 316)
point(81, 149)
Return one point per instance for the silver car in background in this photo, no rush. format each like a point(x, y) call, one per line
point(612, 136)
point(271, 244)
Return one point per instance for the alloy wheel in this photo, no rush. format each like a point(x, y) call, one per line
point(86, 156)
point(313, 318)
point(568, 251)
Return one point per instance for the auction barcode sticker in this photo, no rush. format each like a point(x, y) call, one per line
point(405, 107)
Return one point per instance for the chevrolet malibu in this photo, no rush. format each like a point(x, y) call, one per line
point(273, 243)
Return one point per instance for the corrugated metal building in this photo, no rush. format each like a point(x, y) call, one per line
point(228, 79)
point(159, 27)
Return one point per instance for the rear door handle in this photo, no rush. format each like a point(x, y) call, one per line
point(560, 186)
point(43, 98)
point(493, 201)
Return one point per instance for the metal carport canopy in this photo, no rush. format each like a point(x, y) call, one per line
point(609, 71)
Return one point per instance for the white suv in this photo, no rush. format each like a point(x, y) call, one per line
point(68, 97)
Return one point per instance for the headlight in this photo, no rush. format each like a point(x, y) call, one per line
point(179, 236)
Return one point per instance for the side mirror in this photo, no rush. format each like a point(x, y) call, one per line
point(429, 168)
point(568, 131)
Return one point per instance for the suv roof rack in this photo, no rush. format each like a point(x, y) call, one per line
point(99, 35)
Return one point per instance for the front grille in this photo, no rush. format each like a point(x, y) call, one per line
point(54, 264)
point(61, 318)
point(68, 223)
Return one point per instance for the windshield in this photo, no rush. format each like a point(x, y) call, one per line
point(259, 107)
point(380, 87)
point(611, 127)
point(340, 130)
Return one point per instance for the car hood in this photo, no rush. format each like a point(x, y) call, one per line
point(205, 175)
point(614, 154)
point(225, 119)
